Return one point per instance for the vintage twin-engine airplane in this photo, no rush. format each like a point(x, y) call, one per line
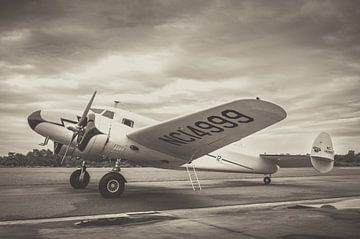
point(194, 140)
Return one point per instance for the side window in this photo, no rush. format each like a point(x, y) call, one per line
point(128, 122)
point(109, 114)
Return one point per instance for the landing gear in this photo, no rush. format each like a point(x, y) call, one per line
point(116, 167)
point(267, 180)
point(112, 184)
point(80, 178)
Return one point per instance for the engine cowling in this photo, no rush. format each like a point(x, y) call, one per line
point(95, 147)
point(322, 153)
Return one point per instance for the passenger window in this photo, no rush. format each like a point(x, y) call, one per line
point(128, 122)
point(109, 114)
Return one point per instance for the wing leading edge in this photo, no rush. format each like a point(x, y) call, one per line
point(191, 136)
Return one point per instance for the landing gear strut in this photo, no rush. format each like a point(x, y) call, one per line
point(267, 180)
point(80, 178)
point(112, 184)
point(116, 168)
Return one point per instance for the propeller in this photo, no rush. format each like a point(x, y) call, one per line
point(81, 127)
point(89, 131)
point(68, 147)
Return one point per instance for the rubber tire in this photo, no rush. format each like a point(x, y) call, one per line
point(103, 189)
point(267, 180)
point(75, 179)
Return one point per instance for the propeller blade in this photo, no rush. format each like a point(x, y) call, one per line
point(68, 147)
point(86, 111)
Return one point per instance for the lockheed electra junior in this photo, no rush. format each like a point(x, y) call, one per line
point(197, 141)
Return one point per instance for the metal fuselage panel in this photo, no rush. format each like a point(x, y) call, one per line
point(225, 161)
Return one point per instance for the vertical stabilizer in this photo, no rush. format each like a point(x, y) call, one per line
point(322, 153)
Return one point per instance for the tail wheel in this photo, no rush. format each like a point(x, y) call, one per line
point(112, 185)
point(77, 182)
point(267, 180)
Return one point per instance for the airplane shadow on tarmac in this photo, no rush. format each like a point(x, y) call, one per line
point(155, 197)
point(158, 197)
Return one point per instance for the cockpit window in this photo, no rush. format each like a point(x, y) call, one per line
point(97, 111)
point(128, 122)
point(109, 114)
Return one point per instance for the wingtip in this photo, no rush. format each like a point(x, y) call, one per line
point(280, 112)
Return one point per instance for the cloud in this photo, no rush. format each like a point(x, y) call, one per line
point(166, 58)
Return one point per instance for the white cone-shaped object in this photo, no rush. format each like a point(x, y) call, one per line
point(322, 153)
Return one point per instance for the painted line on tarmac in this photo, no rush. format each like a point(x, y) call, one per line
point(273, 204)
point(75, 218)
point(181, 211)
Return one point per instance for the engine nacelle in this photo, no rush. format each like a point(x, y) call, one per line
point(95, 147)
point(322, 153)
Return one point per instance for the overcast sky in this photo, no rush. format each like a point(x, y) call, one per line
point(166, 58)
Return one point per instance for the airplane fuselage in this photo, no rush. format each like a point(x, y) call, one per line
point(111, 142)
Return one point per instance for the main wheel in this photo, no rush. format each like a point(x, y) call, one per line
point(75, 181)
point(112, 185)
point(267, 180)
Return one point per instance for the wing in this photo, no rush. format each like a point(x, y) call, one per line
point(193, 135)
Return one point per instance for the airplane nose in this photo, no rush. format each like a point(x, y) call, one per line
point(34, 119)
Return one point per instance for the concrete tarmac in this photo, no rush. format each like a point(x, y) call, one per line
point(229, 206)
